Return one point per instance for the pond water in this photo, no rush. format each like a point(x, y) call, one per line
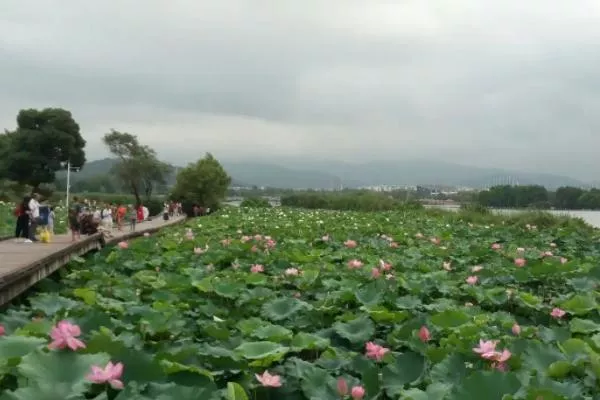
point(591, 217)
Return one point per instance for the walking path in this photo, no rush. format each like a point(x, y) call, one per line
point(24, 264)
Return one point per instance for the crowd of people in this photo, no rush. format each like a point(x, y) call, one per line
point(84, 217)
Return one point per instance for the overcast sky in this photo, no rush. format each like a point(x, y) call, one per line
point(502, 83)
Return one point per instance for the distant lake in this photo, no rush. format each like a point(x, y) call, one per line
point(591, 217)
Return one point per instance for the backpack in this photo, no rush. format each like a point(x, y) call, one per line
point(18, 210)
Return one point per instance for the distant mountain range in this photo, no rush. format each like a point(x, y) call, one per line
point(326, 175)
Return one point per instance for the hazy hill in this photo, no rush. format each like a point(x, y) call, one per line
point(328, 175)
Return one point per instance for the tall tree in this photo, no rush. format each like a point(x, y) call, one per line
point(138, 168)
point(204, 182)
point(43, 143)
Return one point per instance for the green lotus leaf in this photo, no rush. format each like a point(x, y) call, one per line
point(18, 346)
point(490, 385)
point(236, 392)
point(282, 308)
point(260, 350)
point(358, 330)
point(579, 304)
point(406, 368)
point(450, 319)
point(274, 333)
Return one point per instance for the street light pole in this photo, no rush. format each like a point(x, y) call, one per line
point(68, 184)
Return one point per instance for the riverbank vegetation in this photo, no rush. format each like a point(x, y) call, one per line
point(533, 196)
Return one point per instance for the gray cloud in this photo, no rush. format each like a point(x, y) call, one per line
point(497, 83)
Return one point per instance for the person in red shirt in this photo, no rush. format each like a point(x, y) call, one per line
point(140, 212)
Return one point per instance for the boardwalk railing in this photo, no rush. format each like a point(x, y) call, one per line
point(22, 265)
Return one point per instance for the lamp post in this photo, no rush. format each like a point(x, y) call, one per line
point(69, 168)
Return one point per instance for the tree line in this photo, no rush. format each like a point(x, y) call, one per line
point(535, 196)
point(49, 140)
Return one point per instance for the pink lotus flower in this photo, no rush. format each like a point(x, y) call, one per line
point(496, 246)
point(486, 348)
point(394, 245)
point(258, 237)
point(245, 239)
point(375, 351)
point(557, 313)
point(292, 271)
point(547, 254)
point(375, 273)
point(520, 250)
point(435, 240)
point(385, 266)
point(472, 280)
point(270, 243)
point(342, 387)
point(424, 334)
point(354, 264)
point(325, 238)
point(520, 262)
point(146, 234)
point(110, 374)
point(254, 249)
point(516, 329)
point(235, 265)
point(64, 335)
point(563, 260)
point(226, 242)
point(268, 380)
point(447, 265)
point(257, 268)
point(389, 277)
point(351, 244)
point(357, 393)
point(553, 244)
point(123, 245)
point(476, 268)
point(419, 235)
point(2, 330)
point(189, 235)
point(199, 250)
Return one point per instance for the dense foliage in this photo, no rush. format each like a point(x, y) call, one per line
point(355, 200)
point(534, 196)
point(204, 182)
point(255, 202)
point(138, 169)
point(290, 304)
point(43, 142)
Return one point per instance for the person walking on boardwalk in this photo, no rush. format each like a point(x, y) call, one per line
point(132, 216)
point(22, 228)
point(74, 219)
point(34, 216)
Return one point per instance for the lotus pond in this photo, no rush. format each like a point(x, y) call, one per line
point(290, 304)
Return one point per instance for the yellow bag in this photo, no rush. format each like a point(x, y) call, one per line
point(45, 236)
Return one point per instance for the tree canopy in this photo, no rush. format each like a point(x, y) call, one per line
point(204, 182)
point(43, 143)
point(138, 169)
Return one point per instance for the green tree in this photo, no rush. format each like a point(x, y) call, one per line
point(204, 182)
point(44, 141)
point(567, 197)
point(138, 169)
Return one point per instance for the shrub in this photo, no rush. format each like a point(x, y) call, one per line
point(255, 202)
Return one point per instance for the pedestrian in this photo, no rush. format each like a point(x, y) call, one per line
point(106, 217)
point(22, 225)
point(132, 216)
point(75, 219)
point(50, 226)
point(34, 216)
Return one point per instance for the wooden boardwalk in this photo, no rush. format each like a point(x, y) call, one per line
point(24, 264)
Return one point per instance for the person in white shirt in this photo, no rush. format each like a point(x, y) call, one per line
point(34, 216)
point(106, 217)
point(146, 212)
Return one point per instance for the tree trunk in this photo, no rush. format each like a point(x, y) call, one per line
point(136, 193)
